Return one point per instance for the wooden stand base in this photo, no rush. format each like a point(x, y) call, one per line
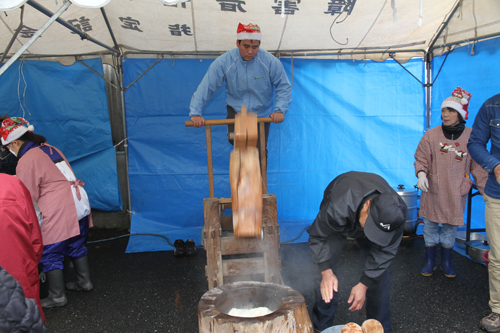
point(232, 259)
point(289, 310)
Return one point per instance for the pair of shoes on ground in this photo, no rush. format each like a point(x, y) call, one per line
point(182, 248)
point(491, 323)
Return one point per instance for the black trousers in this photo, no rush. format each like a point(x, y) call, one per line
point(377, 298)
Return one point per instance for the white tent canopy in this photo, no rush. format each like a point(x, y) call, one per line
point(368, 29)
point(156, 90)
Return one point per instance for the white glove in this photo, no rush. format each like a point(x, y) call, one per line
point(422, 182)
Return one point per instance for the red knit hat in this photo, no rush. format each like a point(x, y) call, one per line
point(459, 101)
point(13, 128)
point(250, 31)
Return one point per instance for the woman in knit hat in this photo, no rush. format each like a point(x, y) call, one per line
point(63, 203)
point(443, 167)
point(8, 162)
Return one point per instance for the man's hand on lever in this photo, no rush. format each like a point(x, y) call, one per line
point(277, 117)
point(329, 285)
point(198, 121)
point(358, 295)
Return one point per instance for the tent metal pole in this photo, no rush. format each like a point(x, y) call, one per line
point(18, 30)
point(468, 41)
point(35, 37)
point(428, 89)
point(83, 35)
point(443, 26)
point(125, 143)
point(109, 28)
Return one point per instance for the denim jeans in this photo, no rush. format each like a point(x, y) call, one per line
point(432, 236)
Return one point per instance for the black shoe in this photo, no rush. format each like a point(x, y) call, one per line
point(179, 248)
point(190, 248)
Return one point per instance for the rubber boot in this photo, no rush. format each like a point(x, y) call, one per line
point(55, 284)
point(82, 276)
point(430, 264)
point(446, 253)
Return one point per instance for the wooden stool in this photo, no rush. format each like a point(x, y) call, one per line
point(232, 259)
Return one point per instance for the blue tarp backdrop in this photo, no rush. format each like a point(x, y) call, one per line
point(67, 105)
point(346, 115)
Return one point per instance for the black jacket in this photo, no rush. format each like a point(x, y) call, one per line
point(8, 162)
point(338, 219)
point(17, 313)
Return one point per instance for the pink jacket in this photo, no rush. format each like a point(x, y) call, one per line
point(448, 166)
point(52, 191)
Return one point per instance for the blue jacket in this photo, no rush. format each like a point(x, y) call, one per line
point(487, 126)
point(249, 83)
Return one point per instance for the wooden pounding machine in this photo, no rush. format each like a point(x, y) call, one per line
point(244, 246)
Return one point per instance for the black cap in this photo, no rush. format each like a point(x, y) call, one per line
point(388, 213)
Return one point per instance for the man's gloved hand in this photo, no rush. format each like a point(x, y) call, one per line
point(422, 182)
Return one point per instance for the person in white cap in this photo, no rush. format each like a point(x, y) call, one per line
point(63, 203)
point(252, 77)
point(443, 167)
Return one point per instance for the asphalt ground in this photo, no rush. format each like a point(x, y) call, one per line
point(157, 292)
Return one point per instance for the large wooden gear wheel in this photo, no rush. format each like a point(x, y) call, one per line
point(245, 177)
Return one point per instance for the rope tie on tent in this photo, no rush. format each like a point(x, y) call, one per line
point(21, 74)
point(421, 15)
point(475, 26)
point(394, 10)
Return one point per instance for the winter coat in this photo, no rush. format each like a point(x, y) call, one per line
point(338, 219)
point(487, 126)
point(17, 313)
point(20, 236)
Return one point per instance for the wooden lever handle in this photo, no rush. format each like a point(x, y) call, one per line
point(189, 123)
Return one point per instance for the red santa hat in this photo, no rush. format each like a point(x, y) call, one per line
point(250, 31)
point(13, 128)
point(459, 101)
